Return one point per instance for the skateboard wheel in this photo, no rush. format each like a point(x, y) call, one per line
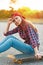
point(19, 61)
point(15, 60)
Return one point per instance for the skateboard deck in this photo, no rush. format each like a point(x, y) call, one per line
point(20, 58)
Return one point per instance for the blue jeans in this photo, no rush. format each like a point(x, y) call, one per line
point(11, 41)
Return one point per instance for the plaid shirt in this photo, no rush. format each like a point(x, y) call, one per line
point(27, 33)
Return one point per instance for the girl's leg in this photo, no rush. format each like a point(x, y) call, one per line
point(5, 39)
point(6, 45)
point(21, 46)
point(17, 44)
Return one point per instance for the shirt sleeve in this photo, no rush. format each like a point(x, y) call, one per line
point(11, 32)
point(33, 37)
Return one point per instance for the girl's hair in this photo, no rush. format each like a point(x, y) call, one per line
point(17, 14)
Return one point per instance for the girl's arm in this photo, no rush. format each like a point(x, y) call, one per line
point(7, 32)
point(15, 30)
point(7, 28)
point(34, 41)
point(8, 25)
point(37, 54)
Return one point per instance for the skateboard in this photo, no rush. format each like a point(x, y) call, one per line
point(20, 58)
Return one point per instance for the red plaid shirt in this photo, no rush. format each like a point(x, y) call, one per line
point(27, 33)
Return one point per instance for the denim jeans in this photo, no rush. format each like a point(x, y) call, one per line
point(11, 41)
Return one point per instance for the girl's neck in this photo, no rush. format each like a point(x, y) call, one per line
point(23, 22)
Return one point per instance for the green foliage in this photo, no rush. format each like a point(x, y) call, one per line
point(5, 14)
point(25, 11)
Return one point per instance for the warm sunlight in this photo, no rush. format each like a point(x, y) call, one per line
point(33, 4)
point(4, 4)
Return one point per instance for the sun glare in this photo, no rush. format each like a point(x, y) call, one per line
point(32, 4)
point(4, 4)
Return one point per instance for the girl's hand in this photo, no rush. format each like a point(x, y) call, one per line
point(10, 21)
point(38, 56)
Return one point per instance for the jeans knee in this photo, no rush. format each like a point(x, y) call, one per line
point(10, 36)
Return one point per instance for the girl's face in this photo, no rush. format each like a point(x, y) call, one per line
point(17, 20)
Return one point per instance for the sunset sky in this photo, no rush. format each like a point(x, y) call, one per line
point(32, 4)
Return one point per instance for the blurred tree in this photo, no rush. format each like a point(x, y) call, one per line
point(11, 8)
point(13, 1)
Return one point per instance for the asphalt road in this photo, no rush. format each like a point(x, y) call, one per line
point(6, 61)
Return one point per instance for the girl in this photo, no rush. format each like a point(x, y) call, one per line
point(27, 31)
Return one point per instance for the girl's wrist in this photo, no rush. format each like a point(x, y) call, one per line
point(37, 53)
point(36, 50)
point(8, 24)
